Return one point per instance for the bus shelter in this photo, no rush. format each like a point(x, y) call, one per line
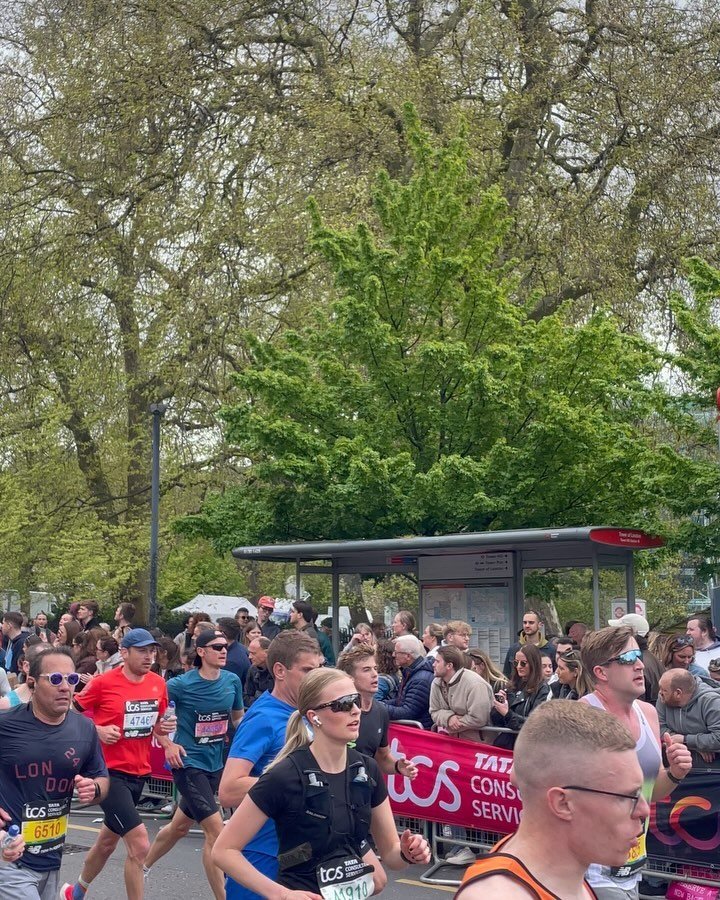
point(478, 577)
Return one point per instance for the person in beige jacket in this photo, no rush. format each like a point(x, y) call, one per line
point(460, 699)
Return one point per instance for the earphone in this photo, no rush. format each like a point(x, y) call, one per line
point(316, 721)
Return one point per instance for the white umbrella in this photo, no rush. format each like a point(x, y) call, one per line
point(216, 606)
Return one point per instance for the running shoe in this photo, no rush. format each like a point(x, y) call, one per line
point(462, 857)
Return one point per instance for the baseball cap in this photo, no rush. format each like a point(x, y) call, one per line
point(137, 637)
point(269, 602)
point(714, 665)
point(637, 622)
point(206, 636)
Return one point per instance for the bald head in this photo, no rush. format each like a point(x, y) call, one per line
point(562, 738)
point(676, 687)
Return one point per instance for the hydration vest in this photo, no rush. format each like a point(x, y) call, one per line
point(307, 831)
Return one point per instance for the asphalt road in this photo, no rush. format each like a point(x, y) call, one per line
point(180, 874)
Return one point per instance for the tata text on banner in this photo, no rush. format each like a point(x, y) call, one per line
point(458, 782)
point(685, 827)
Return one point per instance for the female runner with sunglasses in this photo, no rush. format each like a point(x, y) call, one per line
point(324, 800)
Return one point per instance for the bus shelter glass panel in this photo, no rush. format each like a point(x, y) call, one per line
point(560, 595)
point(613, 589)
point(565, 594)
point(485, 607)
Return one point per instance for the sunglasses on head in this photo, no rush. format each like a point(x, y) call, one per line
point(57, 678)
point(342, 704)
point(683, 641)
point(628, 658)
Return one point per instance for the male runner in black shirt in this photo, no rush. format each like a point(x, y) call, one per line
point(47, 750)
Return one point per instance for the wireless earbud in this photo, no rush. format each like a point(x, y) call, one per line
point(316, 721)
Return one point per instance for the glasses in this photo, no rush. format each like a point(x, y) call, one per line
point(217, 647)
point(520, 662)
point(628, 658)
point(57, 678)
point(683, 641)
point(634, 797)
point(342, 704)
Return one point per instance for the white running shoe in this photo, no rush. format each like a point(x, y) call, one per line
point(461, 857)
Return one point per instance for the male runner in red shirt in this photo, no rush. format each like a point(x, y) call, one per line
point(127, 705)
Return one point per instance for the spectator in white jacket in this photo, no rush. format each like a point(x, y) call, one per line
point(460, 699)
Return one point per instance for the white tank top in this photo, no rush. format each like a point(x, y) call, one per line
point(650, 758)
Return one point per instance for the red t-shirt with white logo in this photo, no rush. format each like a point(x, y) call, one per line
point(134, 706)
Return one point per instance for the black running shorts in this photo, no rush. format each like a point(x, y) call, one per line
point(197, 789)
point(119, 805)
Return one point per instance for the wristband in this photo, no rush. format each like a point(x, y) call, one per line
point(98, 791)
point(408, 861)
point(397, 764)
point(672, 777)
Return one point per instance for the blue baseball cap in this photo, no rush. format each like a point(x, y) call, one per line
point(138, 637)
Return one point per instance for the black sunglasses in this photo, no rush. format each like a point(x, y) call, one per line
point(342, 704)
point(217, 647)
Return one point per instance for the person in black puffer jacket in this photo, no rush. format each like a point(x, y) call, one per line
point(527, 690)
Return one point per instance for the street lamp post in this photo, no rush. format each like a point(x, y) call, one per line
point(158, 411)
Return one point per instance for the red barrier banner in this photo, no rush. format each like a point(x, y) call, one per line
point(458, 782)
point(157, 762)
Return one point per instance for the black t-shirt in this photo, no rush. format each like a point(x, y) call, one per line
point(374, 726)
point(38, 765)
point(279, 793)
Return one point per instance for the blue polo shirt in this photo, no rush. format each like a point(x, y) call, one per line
point(259, 739)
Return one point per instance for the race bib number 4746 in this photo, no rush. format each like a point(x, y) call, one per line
point(140, 718)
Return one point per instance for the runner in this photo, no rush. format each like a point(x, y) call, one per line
point(581, 786)
point(613, 660)
point(206, 699)
point(324, 798)
point(126, 705)
point(359, 663)
point(258, 740)
point(46, 751)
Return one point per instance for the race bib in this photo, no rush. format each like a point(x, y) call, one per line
point(345, 878)
point(44, 826)
point(211, 728)
point(140, 718)
point(635, 861)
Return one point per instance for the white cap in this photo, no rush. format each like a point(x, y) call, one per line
point(635, 621)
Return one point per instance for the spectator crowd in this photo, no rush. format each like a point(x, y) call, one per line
point(435, 680)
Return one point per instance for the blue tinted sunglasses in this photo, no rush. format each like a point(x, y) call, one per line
point(628, 658)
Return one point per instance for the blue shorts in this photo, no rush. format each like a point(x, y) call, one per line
point(268, 865)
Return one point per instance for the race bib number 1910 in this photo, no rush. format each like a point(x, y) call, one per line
point(345, 879)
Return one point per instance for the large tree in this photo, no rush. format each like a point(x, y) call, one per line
point(428, 399)
point(156, 161)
